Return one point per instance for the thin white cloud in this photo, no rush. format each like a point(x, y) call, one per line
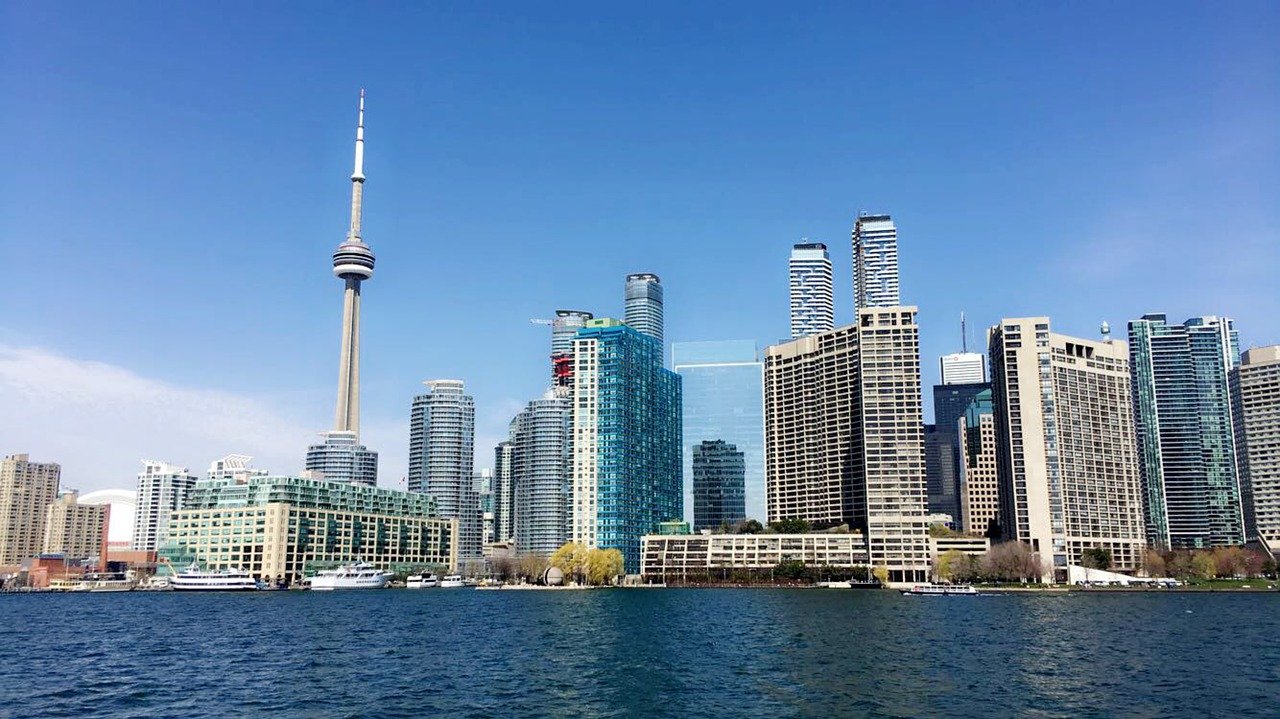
point(98, 420)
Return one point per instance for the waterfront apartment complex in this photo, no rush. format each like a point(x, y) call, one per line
point(1256, 398)
point(1186, 433)
point(625, 433)
point(162, 487)
point(74, 530)
point(643, 305)
point(722, 398)
point(540, 475)
point(442, 426)
point(287, 527)
point(26, 490)
point(1067, 453)
point(875, 262)
point(844, 435)
point(718, 494)
point(701, 557)
point(812, 300)
point(340, 457)
point(979, 477)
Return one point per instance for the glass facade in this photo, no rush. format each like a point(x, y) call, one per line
point(723, 386)
point(643, 305)
point(1186, 434)
point(540, 474)
point(942, 444)
point(718, 497)
point(625, 439)
point(442, 426)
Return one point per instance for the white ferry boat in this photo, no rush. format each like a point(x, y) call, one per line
point(941, 589)
point(452, 581)
point(220, 580)
point(360, 575)
point(422, 581)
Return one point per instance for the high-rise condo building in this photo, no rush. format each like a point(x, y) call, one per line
point(74, 530)
point(1256, 398)
point(1068, 455)
point(625, 432)
point(722, 398)
point(719, 497)
point(979, 479)
point(563, 329)
point(643, 305)
point(812, 302)
point(844, 437)
point(963, 368)
point(353, 264)
point(442, 426)
point(162, 487)
point(236, 467)
point(541, 474)
point(504, 529)
point(1186, 434)
point(875, 261)
point(26, 490)
point(484, 485)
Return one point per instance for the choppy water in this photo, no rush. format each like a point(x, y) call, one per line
point(632, 653)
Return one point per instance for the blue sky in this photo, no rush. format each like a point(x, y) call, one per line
point(176, 181)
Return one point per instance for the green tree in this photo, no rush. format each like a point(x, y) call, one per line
point(603, 565)
point(789, 569)
point(790, 526)
point(1096, 558)
point(750, 526)
point(1203, 566)
point(948, 565)
point(881, 573)
point(571, 558)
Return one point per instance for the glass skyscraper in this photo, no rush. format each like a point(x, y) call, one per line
point(625, 436)
point(718, 497)
point(442, 426)
point(812, 305)
point(540, 474)
point(643, 305)
point(1186, 434)
point(875, 262)
point(723, 400)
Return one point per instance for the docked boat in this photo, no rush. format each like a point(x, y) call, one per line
point(452, 581)
point(422, 581)
point(360, 575)
point(220, 580)
point(941, 589)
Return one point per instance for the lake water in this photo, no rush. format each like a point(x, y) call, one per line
point(631, 653)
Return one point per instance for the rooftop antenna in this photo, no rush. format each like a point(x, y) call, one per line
point(964, 334)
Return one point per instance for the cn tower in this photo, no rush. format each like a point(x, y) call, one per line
point(353, 264)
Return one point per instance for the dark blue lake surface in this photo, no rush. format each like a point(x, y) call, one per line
point(625, 653)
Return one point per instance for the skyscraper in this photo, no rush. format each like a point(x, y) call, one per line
point(353, 264)
point(949, 403)
point(979, 478)
point(1186, 435)
point(719, 497)
point(875, 261)
point(963, 368)
point(442, 426)
point(563, 329)
point(812, 304)
point(1067, 452)
point(626, 439)
point(74, 530)
point(643, 305)
point(540, 474)
point(26, 489)
point(1256, 399)
point(844, 435)
point(162, 487)
point(722, 398)
point(504, 529)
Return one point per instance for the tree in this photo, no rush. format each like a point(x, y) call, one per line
point(791, 569)
point(504, 568)
point(1096, 558)
point(603, 565)
point(948, 565)
point(571, 558)
point(1230, 562)
point(749, 526)
point(1012, 562)
point(1153, 563)
point(1203, 566)
point(881, 573)
point(531, 566)
point(790, 526)
point(942, 530)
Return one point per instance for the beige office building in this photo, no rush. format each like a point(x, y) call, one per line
point(74, 530)
point(26, 490)
point(289, 527)
point(684, 557)
point(844, 435)
point(1067, 450)
point(979, 480)
point(1255, 389)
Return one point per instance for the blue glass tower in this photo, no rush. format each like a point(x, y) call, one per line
point(1186, 434)
point(625, 438)
point(723, 399)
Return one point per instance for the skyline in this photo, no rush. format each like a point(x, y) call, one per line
point(155, 341)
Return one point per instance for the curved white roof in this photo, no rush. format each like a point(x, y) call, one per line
point(123, 503)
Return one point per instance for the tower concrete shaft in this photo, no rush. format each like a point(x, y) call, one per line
point(352, 263)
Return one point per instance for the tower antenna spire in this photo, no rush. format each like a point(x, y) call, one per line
point(357, 175)
point(964, 334)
